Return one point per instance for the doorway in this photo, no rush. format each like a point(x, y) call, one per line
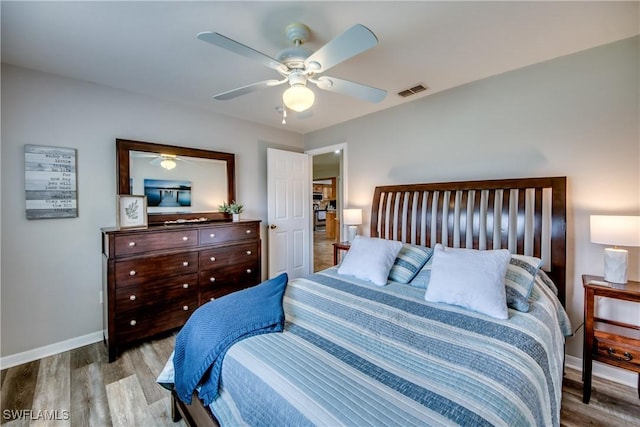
point(328, 166)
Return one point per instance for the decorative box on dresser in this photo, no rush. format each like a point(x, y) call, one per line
point(154, 278)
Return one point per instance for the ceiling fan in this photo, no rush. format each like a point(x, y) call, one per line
point(299, 65)
point(166, 161)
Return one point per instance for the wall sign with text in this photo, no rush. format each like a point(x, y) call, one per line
point(50, 182)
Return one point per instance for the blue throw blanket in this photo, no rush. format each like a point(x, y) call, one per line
point(214, 327)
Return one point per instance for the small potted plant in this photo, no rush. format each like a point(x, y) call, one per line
point(234, 208)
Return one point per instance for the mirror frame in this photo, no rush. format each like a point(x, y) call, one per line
point(125, 146)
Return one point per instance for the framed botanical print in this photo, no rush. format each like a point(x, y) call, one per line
point(132, 211)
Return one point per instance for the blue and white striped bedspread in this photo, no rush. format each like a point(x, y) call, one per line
point(357, 354)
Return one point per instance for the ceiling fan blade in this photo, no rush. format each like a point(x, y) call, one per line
point(355, 40)
point(137, 154)
point(185, 160)
point(240, 49)
point(233, 93)
point(156, 161)
point(356, 90)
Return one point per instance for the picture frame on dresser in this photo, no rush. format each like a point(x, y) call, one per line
point(131, 211)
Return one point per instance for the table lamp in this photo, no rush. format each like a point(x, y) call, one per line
point(617, 231)
point(352, 218)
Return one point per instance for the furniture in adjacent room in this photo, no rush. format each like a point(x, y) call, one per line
point(319, 219)
point(154, 278)
point(331, 224)
point(354, 352)
point(325, 187)
point(608, 341)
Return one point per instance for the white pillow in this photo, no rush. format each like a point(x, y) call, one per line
point(370, 259)
point(470, 278)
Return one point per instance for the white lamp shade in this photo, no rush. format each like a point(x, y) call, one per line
point(298, 98)
point(615, 230)
point(352, 216)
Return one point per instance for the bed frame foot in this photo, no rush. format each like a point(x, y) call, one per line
point(193, 415)
point(175, 413)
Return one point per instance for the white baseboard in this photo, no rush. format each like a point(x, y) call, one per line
point(605, 371)
point(49, 350)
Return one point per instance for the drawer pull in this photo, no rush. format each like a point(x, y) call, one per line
point(212, 279)
point(133, 323)
point(248, 231)
point(248, 270)
point(132, 273)
point(212, 235)
point(185, 238)
point(185, 264)
point(186, 286)
point(132, 244)
point(212, 258)
point(248, 252)
point(132, 297)
point(185, 307)
point(626, 358)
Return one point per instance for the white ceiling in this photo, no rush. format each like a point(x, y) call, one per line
point(150, 47)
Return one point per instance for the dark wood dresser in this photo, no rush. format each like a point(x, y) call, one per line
point(154, 278)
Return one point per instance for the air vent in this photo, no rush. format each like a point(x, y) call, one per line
point(412, 91)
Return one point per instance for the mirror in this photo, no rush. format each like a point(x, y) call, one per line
point(180, 183)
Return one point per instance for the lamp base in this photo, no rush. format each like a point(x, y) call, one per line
point(615, 265)
point(352, 232)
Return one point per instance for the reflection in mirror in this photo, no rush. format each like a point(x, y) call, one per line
point(179, 182)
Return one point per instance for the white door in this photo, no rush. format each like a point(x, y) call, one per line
point(288, 212)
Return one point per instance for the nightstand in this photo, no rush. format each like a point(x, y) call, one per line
point(608, 341)
point(339, 246)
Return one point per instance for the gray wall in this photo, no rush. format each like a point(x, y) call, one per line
point(575, 116)
point(51, 269)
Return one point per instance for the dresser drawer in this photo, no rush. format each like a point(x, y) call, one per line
point(220, 291)
point(622, 353)
point(137, 324)
point(156, 292)
point(134, 272)
point(220, 257)
point(229, 233)
point(144, 242)
point(237, 276)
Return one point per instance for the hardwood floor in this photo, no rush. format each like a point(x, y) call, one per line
point(611, 404)
point(322, 251)
point(80, 388)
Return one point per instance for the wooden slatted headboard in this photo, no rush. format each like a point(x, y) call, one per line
point(526, 216)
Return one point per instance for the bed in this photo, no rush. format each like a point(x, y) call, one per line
point(356, 353)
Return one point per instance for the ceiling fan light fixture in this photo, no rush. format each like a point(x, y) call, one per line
point(168, 164)
point(298, 98)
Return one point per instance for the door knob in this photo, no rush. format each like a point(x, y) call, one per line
point(273, 226)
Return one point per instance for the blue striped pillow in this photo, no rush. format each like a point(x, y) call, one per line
point(519, 279)
point(421, 280)
point(547, 281)
point(409, 262)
